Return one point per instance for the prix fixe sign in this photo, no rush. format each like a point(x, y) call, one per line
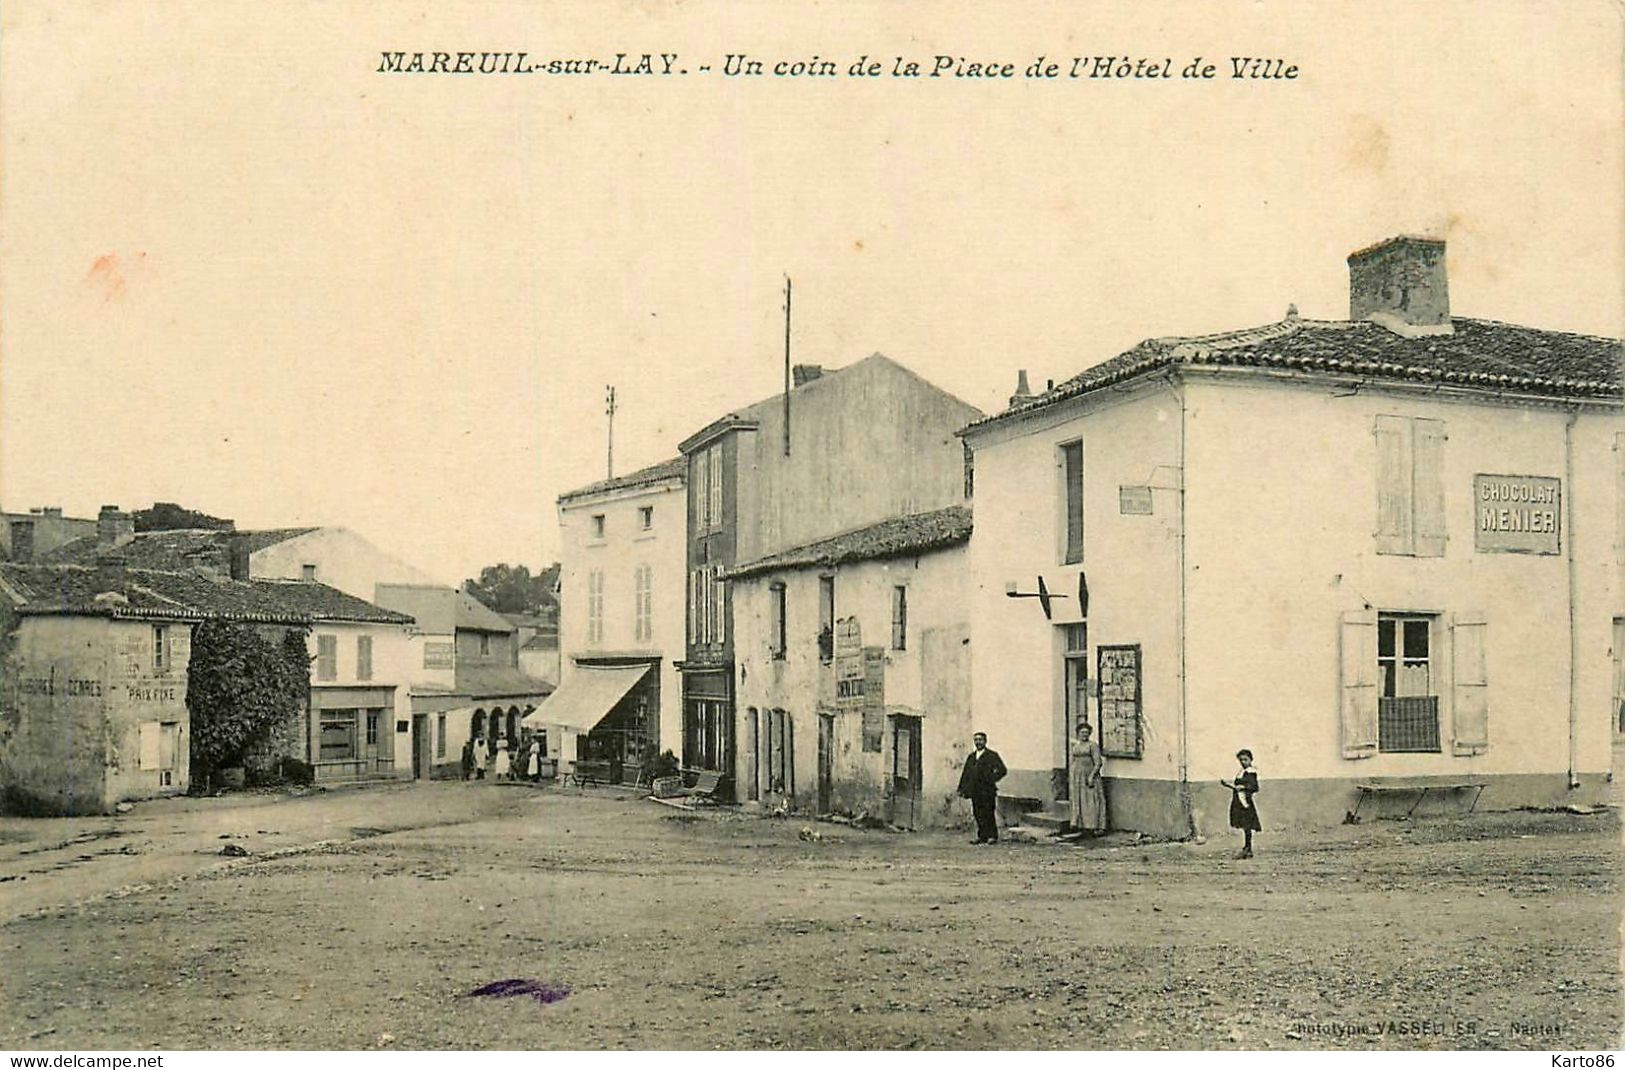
point(1517, 514)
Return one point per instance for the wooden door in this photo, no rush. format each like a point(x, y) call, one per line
point(826, 761)
point(420, 746)
point(907, 772)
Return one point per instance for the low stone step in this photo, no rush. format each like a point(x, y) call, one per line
point(1045, 820)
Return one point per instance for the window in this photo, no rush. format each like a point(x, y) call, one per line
point(646, 517)
point(714, 463)
point(1407, 702)
point(440, 735)
point(439, 655)
point(1410, 486)
point(307, 573)
point(327, 657)
point(160, 648)
point(776, 634)
point(643, 604)
point(781, 768)
point(595, 606)
point(826, 619)
point(699, 481)
point(1072, 498)
point(899, 617)
point(485, 645)
point(337, 740)
point(598, 526)
point(1075, 675)
point(372, 728)
point(970, 471)
point(158, 742)
point(363, 657)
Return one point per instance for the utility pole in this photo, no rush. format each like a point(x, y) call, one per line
point(787, 365)
point(609, 410)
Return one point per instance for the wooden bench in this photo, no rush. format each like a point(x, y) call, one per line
point(707, 786)
point(1401, 785)
point(586, 773)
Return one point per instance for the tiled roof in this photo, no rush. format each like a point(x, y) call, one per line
point(173, 549)
point(903, 536)
point(1498, 358)
point(676, 468)
point(490, 681)
point(441, 610)
point(255, 541)
point(151, 593)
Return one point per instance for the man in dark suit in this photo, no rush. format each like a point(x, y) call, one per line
point(980, 784)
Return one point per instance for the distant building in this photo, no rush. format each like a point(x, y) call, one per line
point(39, 531)
point(621, 620)
point(891, 693)
point(94, 677)
point(466, 681)
point(536, 636)
point(1380, 553)
point(335, 556)
point(863, 444)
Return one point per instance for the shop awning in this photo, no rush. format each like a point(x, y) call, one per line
point(586, 697)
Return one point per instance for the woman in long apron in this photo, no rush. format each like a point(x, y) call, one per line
point(1088, 792)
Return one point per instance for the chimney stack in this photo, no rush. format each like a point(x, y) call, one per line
point(237, 549)
point(802, 374)
point(1023, 391)
point(205, 561)
point(110, 573)
point(22, 541)
point(1400, 283)
point(114, 528)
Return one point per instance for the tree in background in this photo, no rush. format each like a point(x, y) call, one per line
point(167, 516)
point(512, 589)
point(241, 687)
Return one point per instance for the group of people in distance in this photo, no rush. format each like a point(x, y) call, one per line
point(481, 762)
point(979, 782)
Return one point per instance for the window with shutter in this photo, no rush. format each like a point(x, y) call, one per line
point(150, 744)
point(1427, 487)
point(700, 480)
point(714, 458)
point(327, 657)
point(1072, 501)
point(899, 617)
point(776, 621)
point(363, 657)
point(1410, 486)
point(1470, 708)
point(1358, 683)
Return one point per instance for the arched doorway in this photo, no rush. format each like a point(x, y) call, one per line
point(513, 724)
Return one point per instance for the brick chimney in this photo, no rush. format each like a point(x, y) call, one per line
point(113, 527)
point(22, 540)
point(1023, 391)
point(802, 374)
point(1400, 283)
point(110, 573)
point(205, 561)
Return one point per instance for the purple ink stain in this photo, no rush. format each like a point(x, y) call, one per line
point(540, 991)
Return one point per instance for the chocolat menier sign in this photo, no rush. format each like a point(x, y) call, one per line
point(1517, 514)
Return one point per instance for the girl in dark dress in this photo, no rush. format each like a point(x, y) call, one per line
point(1243, 813)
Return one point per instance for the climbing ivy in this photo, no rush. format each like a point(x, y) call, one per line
point(240, 686)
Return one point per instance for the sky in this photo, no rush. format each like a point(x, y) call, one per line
point(242, 270)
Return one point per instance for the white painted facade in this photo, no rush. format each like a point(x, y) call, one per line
point(621, 588)
point(339, 558)
point(1237, 587)
point(928, 679)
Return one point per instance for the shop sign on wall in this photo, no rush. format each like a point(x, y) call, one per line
point(1517, 514)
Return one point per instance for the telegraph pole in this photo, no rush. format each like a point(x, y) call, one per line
point(609, 410)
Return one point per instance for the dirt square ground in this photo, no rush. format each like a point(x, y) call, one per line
point(362, 919)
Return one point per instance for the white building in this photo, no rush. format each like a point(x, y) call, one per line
point(1382, 552)
point(863, 639)
point(620, 619)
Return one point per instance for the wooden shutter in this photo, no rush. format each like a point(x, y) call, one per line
point(1358, 683)
point(150, 748)
point(363, 657)
point(1470, 684)
point(1394, 481)
point(1072, 462)
point(1427, 487)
